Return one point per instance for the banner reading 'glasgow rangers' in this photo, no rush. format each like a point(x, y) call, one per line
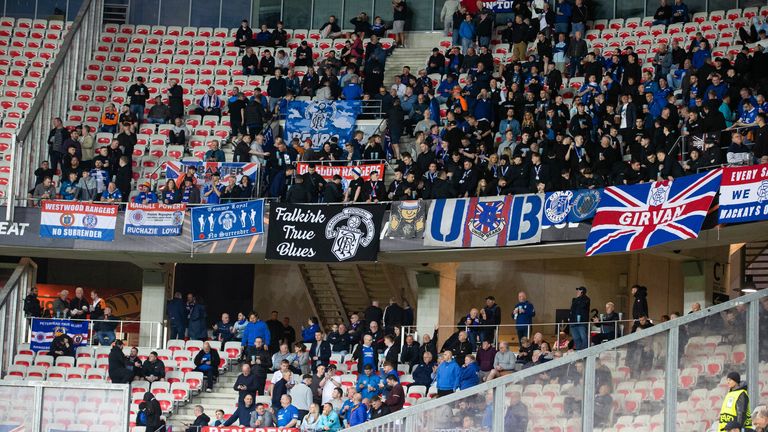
point(640, 216)
point(744, 194)
point(227, 221)
point(345, 172)
point(330, 233)
point(77, 220)
point(484, 222)
point(321, 120)
point(154, 219)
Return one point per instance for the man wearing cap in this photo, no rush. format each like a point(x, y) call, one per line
point(578, 318)
point(735, 412)
point(138, 94)
point(145, 195)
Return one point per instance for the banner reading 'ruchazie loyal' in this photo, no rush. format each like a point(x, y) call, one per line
point(300, 232)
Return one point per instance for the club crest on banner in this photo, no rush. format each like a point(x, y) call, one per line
point(585, 204)
point(762, 191)
point(348, 237)
point(659, 193)
point(489, 219)
point(557, 206)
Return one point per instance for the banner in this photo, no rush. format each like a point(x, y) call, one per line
point(227, 221)
point(154, 219)
point(175, 170)
point(321, 120)
point(640, 216)
point(327, 172)
point(571, 206)
point(324, 233)
point(498, 6)
point(44, 330)
point(76, 220)
point(247, 429)
point(407, 219)
point(744, 194)
point(485, 221)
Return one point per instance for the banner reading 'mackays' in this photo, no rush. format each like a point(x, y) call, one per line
point(744, 194)
point(324, 233)
point(484, 222)
point(321, 120)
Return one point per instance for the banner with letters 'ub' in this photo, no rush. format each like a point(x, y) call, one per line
point(321, 120)
point(484, 222)
point(227, 221)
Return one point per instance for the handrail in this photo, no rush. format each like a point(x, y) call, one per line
point(54, 68)
point(586, 354)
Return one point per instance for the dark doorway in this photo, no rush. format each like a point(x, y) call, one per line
point(220, 287)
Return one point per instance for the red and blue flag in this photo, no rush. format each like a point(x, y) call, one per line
point(644, 215)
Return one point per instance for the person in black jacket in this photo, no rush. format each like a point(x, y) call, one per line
point(320, 351)
point(244, 36)
point(176, 99)
point(153, 410)
point(32, 304)
point(391, 350)
point(297, 192)
point(393, 316)
point(201, 420)
point(118, 370)
point(374, 313)
point(261, 362)
point(410, 353)
point(242, 414)
point(153, 368)
point(207, 361)
point(245, 384)
point(579, 316)
point(332, 192)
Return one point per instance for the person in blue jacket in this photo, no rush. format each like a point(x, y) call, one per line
point(255, 328)
point(368, 383)
point(359, 412)
point(447, 375)
point(563, 12)
point(523, 314)
point(467, 33)
point(308, 332)
point(177, 316)
point(469, 376)
point(423, 372)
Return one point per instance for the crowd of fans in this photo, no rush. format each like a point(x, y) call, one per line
point(481, 129)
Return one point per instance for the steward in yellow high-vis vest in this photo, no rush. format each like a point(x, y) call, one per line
point(735, 413)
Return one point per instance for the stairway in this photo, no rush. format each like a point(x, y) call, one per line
point(222, 397)
point(339, 290)
point(756, 263)
point(416, 58)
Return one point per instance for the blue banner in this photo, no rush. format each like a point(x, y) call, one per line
point(226, 221)
point(321, 120)
point(499, 5)
point(572, 206)
point(44, 330)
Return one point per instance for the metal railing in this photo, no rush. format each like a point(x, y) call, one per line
point(129, 331)
point(12, 327)
point(548, 330)
point(34, 403)
point(54, 96)
point(665, 352)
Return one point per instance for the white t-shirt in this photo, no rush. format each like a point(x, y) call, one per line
point(328, 389)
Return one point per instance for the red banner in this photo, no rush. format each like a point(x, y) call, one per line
point(328, 171)
point(247, 429)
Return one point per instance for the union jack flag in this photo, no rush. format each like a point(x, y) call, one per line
point(640, 216)
point(176, 170)
point(486, 221)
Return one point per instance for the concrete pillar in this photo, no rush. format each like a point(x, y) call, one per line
point(153, 297)
point(437, 299)
point(735, 272)
point(696, 288)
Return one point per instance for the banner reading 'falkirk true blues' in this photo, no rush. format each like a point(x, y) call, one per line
point(640, 216)
point(484, 222)
point(227, 221)
point(744, 194)
point(321, 120)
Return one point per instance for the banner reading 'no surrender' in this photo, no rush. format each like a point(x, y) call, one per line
point(300, 232)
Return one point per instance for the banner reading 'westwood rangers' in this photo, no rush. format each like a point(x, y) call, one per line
point(324, 233)
point(154, 219)
point(77, 220)
point(744, 194)
point(321, 120)
point(227, 221)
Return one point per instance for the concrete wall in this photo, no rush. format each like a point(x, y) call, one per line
point(279, 287)
point(102, 274)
